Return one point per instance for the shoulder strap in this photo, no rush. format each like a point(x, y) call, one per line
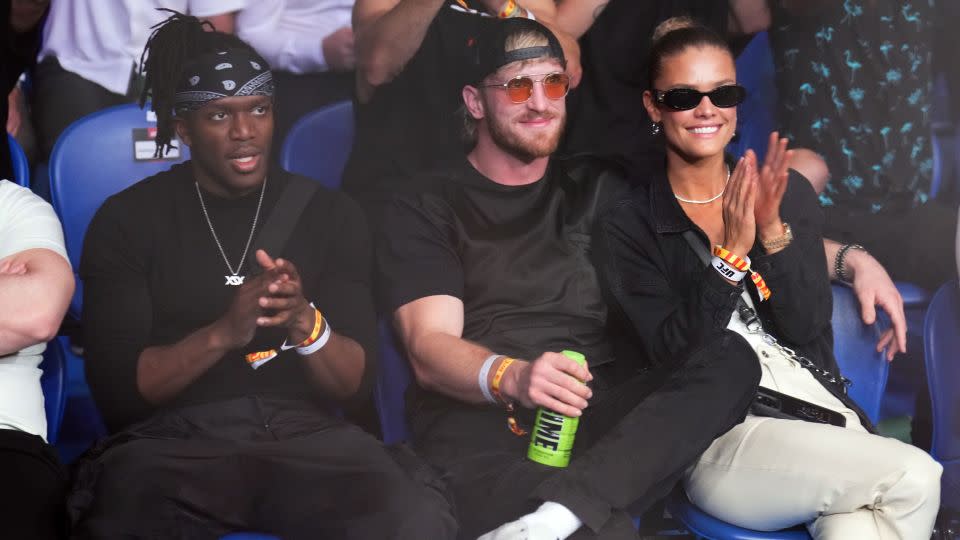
point(275, 234)
point(697, 245)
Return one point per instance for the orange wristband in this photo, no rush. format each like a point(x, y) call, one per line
point(495, 389)
point(743, 265)
point(317, 330)
point(737, 262)
point(498, 375)
point(508, 9)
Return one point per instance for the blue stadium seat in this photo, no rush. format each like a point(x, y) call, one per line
point(21, 168)
point(318, 145)
point(391, 385)
point(854, 346)
point(54, 383)
point(942, 343)
point(756, 117)
point(703, 525)
point(93, 159)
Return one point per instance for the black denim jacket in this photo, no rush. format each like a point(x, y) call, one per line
point(665, 302)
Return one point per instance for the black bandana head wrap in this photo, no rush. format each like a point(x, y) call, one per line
point(222, 74)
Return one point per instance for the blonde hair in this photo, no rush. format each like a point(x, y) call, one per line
point(671, 24)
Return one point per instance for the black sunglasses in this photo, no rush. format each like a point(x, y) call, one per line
point(684, 99)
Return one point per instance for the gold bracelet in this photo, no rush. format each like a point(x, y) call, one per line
point(779, 242)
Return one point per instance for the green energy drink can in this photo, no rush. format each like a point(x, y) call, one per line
point(551, 440)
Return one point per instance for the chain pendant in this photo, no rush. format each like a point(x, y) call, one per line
point(234, 281)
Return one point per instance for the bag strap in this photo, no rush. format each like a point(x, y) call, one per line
point(697, 245)
point(275, 234)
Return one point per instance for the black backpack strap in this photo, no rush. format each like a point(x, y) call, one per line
point(275, 234)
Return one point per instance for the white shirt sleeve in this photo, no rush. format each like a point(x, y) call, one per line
point(290, 33)
point(27, 222)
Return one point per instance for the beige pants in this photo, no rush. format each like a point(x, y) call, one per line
point(843, 483)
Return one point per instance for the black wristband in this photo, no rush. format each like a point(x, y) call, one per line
point(839, 262)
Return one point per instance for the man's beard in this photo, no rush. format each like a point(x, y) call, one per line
point(526, 149)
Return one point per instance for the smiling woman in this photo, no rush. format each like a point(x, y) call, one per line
point(811, 458)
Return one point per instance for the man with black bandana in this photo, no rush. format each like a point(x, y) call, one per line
point(209, 364)
point(488, 276)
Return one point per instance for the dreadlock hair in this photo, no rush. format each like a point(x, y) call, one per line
point(173, 43)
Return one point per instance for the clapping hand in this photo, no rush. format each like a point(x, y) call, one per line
point(284, 304)
point(739, 199)
point(772, 183)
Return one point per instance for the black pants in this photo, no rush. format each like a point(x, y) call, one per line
point(917, 245)
point(33, 487)
point(255, 464)
point(61, 97)
point(634, 441)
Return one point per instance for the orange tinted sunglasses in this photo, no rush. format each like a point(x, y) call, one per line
point(520, 88)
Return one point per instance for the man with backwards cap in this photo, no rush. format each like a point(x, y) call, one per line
point(488, 275)
point(226, 306)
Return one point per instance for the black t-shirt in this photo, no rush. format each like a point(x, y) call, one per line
point(17, 53)
point(606, 114)
point(412, 122)
point(854, 84)
point(152, 274)
point(517, 256)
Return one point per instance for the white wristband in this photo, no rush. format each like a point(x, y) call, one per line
point(482, 377)
point(727, 270)
point(319, 343)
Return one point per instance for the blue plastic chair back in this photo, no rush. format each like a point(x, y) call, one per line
point(854, 347)
point(756, 117)
point(54, 384)
point(318, 145)
point(92, 160)
point(942, 344)
point(21, 168)
point(391, 386)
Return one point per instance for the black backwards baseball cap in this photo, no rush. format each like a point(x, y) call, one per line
point(490, 55)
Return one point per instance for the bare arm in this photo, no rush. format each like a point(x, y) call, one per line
point(338, 367)
point(165, 371)
point(444, 362)
point(25, 14)
point(873, 287)
point(35, 289)
point(387, 34)
point(748, 16)
point(224, 22)
point(575, 17)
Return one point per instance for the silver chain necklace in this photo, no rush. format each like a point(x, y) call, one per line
point(711, 199)
point(233, 279)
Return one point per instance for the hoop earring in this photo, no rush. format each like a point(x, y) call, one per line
point(655, 128)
